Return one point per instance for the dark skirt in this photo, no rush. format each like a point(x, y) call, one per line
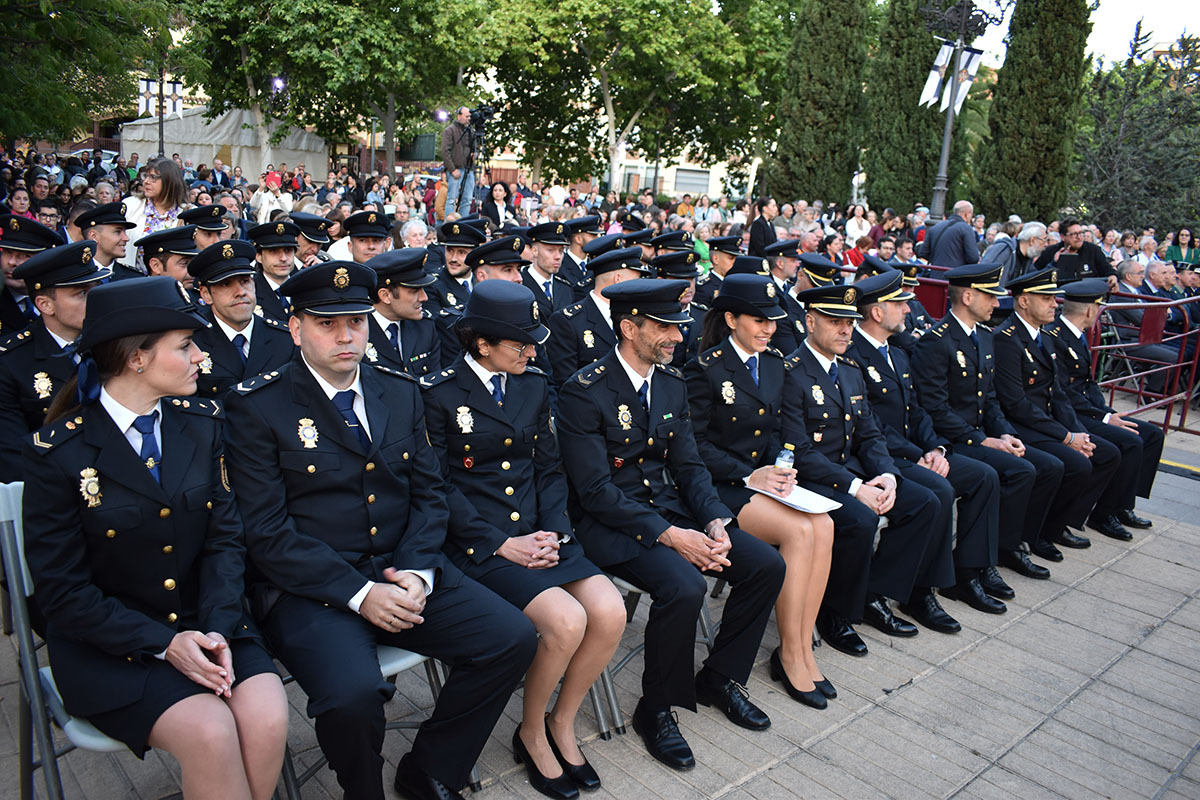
point(166, 686)
point(519, 585)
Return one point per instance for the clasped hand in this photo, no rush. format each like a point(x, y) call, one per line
point(395, 604)
point(708, 552)
point(878, 494)
point(537, 550)
point(204, 658)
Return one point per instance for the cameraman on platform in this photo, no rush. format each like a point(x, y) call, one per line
point(458, 143)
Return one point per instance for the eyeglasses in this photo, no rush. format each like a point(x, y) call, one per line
point(1074, 233)
point(51, 216)
point(151, 176)
point(518, 350)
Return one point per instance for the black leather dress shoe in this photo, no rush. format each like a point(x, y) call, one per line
point(972, 593)
point(413, 784)
point(731, 698)
point(878, 613)
point(813, 698)
point(660, 731)
point(1129, 519)
point(1018, 561)
point(925, 609)
point(837, 632)
point(582, 775)
point(993, 584)
point(1109, 526)
point(1046, 550)
point(1074, 541)
point(560, 787)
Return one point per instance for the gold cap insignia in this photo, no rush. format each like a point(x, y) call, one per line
point(691, 258)
point(279, 229)
point(122, 209)
point(371, 218)
point(307, 432)
point(770, 291)
point(89, 487)
point(517, 244)
point(227, 251)
point(341, 278)
point(848, 297)
point(12, 223)
point(454, 230)
point(1054, 276)
point(559, 229)
point(86, 255)
point(535, 311)
point(321, 226)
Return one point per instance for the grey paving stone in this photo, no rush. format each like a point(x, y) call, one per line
point(1132, 593)
point(1159, 572)
point(1002, 784)
point(1100, 615)
point(1067, 645)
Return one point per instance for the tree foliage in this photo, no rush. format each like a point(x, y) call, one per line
point(69, 61)
point(1026, 165)
point(820, 113)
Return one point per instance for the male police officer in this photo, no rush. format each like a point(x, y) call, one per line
point(682, 265)
point(314, 234)
point(574, 270)
point(403, 336)
point(107, 227)
point(550, 290)
point(722, 250)
point(453, 284)
point(345, 516)
point(21, 238)
point(208, 223)
point(275, 243)
point(167, 252)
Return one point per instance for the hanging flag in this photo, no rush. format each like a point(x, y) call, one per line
point(173, 98)
point(969, 63)
point(933, 84)
point(147, 97)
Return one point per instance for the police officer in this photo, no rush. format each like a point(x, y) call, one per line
point(581, 231)
point(168, 252)
point(275, 246)
point(672, 242)
point(402, 335)
point(208, 224)
point(550, 289)
point(722, 250)
point(1140, 442)
point(1035, 402)
point(624, 427)
point(345, 514)
point(138, 553)
point(452, 285)
point(314, 236)
point(841, 454)
point(37, 362)
point(921, 455)
point(368, 235)
point(107, 227)
point(783, 264)
point(683, 265)
point(954, 373)
point(239, 344)
point(583, 332)
point(918, 320)
point(20, 239)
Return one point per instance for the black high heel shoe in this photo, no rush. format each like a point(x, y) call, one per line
point(812, 698)
point(582, 775)
point(826, 688)
point(560, 788)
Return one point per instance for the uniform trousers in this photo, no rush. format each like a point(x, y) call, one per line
point(677, 590)
point(904, 551)
point(332, 654)
point(1084, 480)
point(1027, 485)
point(977, 488)
point(1140, 454)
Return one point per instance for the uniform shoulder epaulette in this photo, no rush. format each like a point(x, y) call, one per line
point(791, 363)
point(532, 370)
point(773, 352)
point(438, 377)
point(987, 328)
point(192, 405)
point(558, 277)
point(15, 340)
point(257, 382)
point(271, 322)
point(425, 314)
point(710, 356)
point(573, 309)
point(56, 433)
point(703, 279)
point(1052, 330)
point(1006, 330)
point(395, 373)
point(589, 374)
point(672, 371)
point(848, 360)
point(701, 306)
point(940, 328)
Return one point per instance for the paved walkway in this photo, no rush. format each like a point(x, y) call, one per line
point(1087, 687)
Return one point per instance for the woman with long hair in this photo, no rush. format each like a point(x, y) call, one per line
point(137, 552)
point(18, 203)
point(735, 390)
point(857, 225)
point(1183, 248)
point(156, 208)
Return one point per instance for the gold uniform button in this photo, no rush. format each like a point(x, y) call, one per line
point(370, 466)
point(312, 468)
point(645, 481)
point(374, 530)
point(404, 456)
point(733, 419)
point(640, 460)
point(981, 374)
point(825, 416)
point(758, 433)
point(169, 584)
point(626, 441)
point(650, 441)
point(671, 435)
point(762, 411)
point(847, 418)
point(164, 512)
point(172, 617)
point(754, 454)
point(508, 442)
point(514, 516)
point(505, 465)
point(110, 533)
point(639, 537)
point(885, 390)
point(370, 498)
point(470, 551)
point(168, 549)
point(508, 490)
point(979, 393)
point(208, 505)
point(466, 448)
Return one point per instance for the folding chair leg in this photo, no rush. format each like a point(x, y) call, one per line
point(631, 604)
point(718, 588)
point(610, 690)
point(433, 671)
point(598, 710)
point(290, 787)
point(25, 746)
point(708, 631)
point(5, 611)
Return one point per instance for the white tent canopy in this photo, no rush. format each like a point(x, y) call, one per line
point(190, 135)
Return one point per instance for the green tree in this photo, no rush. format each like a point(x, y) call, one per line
point(820, 114)
point(1026, 166)
point(72, 60)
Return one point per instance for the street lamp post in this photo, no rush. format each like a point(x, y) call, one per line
point(966, 22)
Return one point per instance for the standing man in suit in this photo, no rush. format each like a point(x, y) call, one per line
point(841, 454)
point(967, 573)
point(1140, 442)
point(275, 245)
point(1034, 400)
point(238, 344)
point(20, 239)
point(345, 516)
point(107, 227)
point(403, 336)
point(762, 230)
point(623, 424)
point(952, 242)
point(550, 290)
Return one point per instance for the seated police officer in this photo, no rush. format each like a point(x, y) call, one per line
point(367, 232)
point(238, 344)
point(623, 427)
point(682, 265)
point(550, 289)
point(841, 454)
point(1034, 401)
point(1140, 442)
point(921, 455)
point(583, 332)
point(314, 235)
point(402, 335)
point(208, 224)
point(19, 240)
point(168, 252)
point(722, 250)
point(35, 363)
point(954, 371)
point(345, 514)
point(107, 227)
point(581, 232)
point(275, 246)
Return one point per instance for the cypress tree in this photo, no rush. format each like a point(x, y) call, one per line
point(1025, 167)
point(903, 140)
point(820, 112)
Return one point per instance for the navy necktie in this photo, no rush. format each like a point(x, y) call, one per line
point(975, 339)
point(752, 364)
point(27, 309)
point(344, 401)
point(546, 288)
point(644, 395)
point(149, 454)
point(883, 351)
point(498, 390)
point(393, 334)
point(833, 370)
point(467, 285)
point(239, 344)
point(287, 305)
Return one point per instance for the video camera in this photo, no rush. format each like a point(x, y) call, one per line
point(480, 115)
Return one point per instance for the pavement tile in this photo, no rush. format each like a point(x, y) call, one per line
point(1115, 761)
point(1100, 615)
point(1126, 591)
point(1031, 761)
point(1002, 784)
point(1159, 572)
point(1070, 646)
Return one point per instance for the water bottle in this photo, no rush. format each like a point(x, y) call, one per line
point(786, 457)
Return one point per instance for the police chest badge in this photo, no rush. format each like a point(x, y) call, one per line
point(874, 373)
point(206, 364)
point(962, 359)
point(589, 339)
point(42, 385)
point(624, 417)
point(372, 353)
point(89, 487)
point(818, 436)
point(727, 393)
point(818, 394)
point(258, 311)
point(308, 434)
point(450, 298)
point(465, 419)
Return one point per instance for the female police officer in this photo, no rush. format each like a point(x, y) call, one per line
point(735, 390)
point(488, 415)
point(137, 553)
